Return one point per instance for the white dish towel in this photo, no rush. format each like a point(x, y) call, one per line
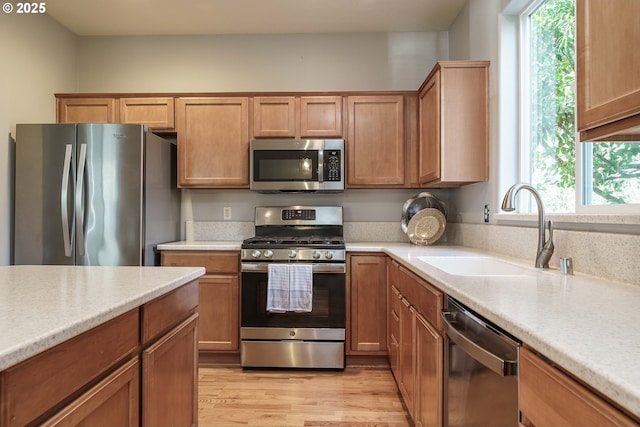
point(300, 288)
point(278, 288)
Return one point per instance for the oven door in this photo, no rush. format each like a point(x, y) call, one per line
point(329, 299)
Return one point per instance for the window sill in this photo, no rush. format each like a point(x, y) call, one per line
point(610, 223)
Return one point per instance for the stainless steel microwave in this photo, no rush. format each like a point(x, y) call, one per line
point(296, 165)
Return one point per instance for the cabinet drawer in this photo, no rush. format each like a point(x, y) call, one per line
point(548, 397)
point(214, 262)
point(167, 311)
point(36, 385)
point(426, 299)
point(113, 401)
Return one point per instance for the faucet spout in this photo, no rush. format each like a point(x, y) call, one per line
point(545, 247)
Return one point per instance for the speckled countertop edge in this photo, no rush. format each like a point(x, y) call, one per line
point(42, 306)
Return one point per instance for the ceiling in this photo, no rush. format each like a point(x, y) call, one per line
point(192, 17)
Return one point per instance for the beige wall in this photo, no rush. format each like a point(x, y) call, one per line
point(38, 60)
point(294, 62)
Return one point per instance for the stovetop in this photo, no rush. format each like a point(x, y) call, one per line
point(336, 242)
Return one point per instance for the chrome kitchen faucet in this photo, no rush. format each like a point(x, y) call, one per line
point(545, 247)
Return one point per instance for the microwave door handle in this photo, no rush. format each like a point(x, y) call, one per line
point(320, 165)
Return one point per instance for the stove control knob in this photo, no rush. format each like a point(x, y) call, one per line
point(268, 253)
point(328, 255)
point(256, 253)
point(292, 253)
point(315, 255)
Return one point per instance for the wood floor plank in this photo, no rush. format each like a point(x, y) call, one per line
point(355, 397)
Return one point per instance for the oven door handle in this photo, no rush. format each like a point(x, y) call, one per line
point(488, 358)
point(263, 267)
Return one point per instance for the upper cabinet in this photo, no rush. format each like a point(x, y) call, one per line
point(297, 117)
point(375, 142)
point(157, 113)
point(607, 68)
point(454, 124)
point(87, 110)
point(213, 142)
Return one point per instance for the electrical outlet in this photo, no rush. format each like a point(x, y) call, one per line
point(226, 212)
point(486, 213)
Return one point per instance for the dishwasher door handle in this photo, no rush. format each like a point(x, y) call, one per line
point(496, 363)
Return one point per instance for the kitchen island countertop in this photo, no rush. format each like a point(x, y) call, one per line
point(585, 324)
point(42, 306)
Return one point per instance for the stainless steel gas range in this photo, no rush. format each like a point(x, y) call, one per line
point(293, 289)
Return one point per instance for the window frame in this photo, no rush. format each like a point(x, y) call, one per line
point(523, 10)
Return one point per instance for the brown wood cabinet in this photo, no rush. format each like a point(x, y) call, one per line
point(213, 142)
point(607, 68)
point(274, 117)
point(155, 113)
point(141, 363)
point(170, 378)
point(219, 296)
point(297, 117)
point(87, 110)
point(420, 365)
point(393, 316)
point(367, 300)
point(550, 398)
point(375, 143)
point(115, 401)
point(454, 124)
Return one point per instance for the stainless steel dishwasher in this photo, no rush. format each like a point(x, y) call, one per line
point(481, 383)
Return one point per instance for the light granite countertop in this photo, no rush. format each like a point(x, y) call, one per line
point(42, 306)
point(587, 325)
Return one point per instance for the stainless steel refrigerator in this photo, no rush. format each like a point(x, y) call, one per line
point(93, 194)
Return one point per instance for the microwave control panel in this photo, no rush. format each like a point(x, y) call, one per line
point(332, 161)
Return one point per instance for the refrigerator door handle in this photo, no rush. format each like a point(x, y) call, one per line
point(64, 199)
point(82, 160)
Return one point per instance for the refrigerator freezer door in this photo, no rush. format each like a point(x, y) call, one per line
point(44, 188)
point(109, 198)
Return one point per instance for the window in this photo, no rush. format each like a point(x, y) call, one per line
point(572, 177)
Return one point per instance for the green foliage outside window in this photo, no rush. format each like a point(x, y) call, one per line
point(614, 173)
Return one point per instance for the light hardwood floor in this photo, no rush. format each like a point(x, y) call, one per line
point(355, 397)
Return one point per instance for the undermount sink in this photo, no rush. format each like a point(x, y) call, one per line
point(474, 266)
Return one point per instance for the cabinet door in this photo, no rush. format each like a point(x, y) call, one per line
point(429, 107)
point(156, 113)
point(550, 398)
point(375, 145)
point(454, 124)
point(87, 110)
point(607, 75)
point(274, 117)
point(429, 375)
point(213, 142)
point(321, 117)
point(367, 279)
point(393, 322)
point(169, 378)
point(406, 354)
point(112, 402)
point(219, 314)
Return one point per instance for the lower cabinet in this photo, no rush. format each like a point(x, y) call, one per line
point(170, 378)
point(416, 344)
point(115, 401)
point(550, 398)
point(429, 375)
point(367, 299)
point(139, 366)
point(219, 296)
